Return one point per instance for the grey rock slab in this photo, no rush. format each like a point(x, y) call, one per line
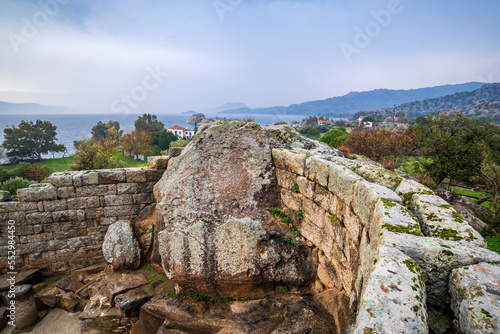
point(439, 219)
point(437, 258)
point(475, 298)
point(393, 300)
point(121, 248)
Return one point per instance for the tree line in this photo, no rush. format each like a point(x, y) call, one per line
point(29, 141)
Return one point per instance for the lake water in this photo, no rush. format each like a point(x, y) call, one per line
point(76, 127)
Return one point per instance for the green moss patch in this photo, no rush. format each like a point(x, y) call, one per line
point(457, 217)
point(334, 219)
point(447, 252)
point(388, 203)
point(403, 229)
point(447, 234)
point(432, 217)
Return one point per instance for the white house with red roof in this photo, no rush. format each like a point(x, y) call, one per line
point(321, 122)
point(179, 131)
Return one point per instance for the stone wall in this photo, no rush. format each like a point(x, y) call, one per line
point(60, 225)
point(388, 248)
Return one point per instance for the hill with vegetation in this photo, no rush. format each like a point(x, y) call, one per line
point(482, 102)
point(356, 101)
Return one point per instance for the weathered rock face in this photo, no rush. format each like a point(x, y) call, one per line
point(215, 200)
point(120, 247)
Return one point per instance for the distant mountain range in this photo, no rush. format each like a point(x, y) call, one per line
point(478, 102)
point(219, 109)
point(358, 101)
point(30, 108)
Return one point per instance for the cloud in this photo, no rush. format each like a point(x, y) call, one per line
point(261, 53)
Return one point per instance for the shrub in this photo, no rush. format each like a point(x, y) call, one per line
point(335, 137)
point(179, 143)
point(345, 150)
point(37, 172)
point(92, 156)
point(391, 148)
point(19, 170)
point(11, 185)
point(4, 174)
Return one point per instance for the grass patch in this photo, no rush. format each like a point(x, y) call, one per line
point(278, 213)
point(61, 164)
point(291, 241)
point(493, 243)
point(299, 214)
point(473, 193)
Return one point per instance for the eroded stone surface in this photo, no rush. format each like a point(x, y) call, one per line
point(394, 298)
point(475, 298)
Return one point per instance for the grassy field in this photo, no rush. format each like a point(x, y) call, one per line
point(62, 164)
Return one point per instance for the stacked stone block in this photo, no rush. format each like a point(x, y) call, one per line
point(60, 225)
point(387, 243)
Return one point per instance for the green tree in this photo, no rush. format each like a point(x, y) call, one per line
point(149, 123)
point(163, 138)
point(451, 142)
point(370, 118)
point(311, 120)
point(334, 137)
point(490, 177)
point(31, 140)
point(100, 131)
point(137, 142)
point(358, 115)
point(313, 133)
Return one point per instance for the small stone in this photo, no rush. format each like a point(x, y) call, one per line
point(4, 196)
point(130, 302)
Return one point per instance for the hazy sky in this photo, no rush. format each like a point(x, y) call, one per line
point(168, 56)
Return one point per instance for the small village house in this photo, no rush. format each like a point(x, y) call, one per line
point(181, 132)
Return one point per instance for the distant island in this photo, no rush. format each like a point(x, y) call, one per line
point(7, 108)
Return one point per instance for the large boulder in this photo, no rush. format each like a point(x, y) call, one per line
point(218, 237)
point(120, 247)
